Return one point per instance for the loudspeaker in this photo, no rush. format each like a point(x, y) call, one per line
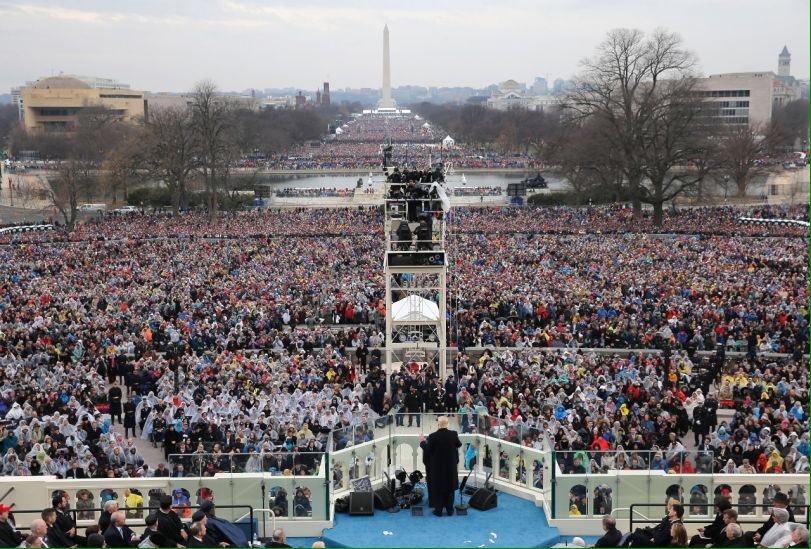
point(484, 499)
point(384, 499)
point(361, 503)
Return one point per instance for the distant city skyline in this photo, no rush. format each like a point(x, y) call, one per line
point(244, 44)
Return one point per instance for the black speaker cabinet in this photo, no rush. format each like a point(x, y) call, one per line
point(384, 499)
point(484, 499)
point(361, 503)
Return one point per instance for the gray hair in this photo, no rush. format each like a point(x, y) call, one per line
point(736, 530)
point(780, 515)
point(609, 521)
point(111, 506)
point(803, 533)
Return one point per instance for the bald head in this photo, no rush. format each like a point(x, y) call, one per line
point(442, 422)
point(318, 545)
point(39, 527)
point(118, 518)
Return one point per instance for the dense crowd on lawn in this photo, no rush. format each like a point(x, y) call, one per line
point(169, 309)
point(368, 156)
point(370, 128)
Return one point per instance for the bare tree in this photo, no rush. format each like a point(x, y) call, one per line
point(171, 153)
point(621, 86)
point(585, 156)
point(678, 152)
point(98, 132)
point(72, 178)
point(740, 149)
point(212, 120)
point(124, 165)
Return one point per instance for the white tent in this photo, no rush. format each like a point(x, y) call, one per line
point(415, 309)
point(426, 125)
point(448, 141)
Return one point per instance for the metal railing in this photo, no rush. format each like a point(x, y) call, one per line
point(135, 516)
point(743, 518)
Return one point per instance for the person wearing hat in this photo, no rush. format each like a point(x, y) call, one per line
point(780, 502)
point(9, 536)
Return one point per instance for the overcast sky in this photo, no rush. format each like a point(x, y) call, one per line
point(168, 45)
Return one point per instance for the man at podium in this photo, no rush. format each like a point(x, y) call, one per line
point(441, 458)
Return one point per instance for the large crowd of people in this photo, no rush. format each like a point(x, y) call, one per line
point(242, 344)
point(367, 156)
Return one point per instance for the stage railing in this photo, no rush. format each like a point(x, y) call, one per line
point(596, 462)
point(395, 444)
point(591, 496)
point(519, 457)
point(275, 462)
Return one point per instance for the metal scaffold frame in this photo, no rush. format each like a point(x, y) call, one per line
point(416, 269)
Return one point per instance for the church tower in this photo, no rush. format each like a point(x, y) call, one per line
point(784, 63)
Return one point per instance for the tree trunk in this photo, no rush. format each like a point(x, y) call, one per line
point(742, 183)
point(176, 201)
point(633, 185)
point(658, 213)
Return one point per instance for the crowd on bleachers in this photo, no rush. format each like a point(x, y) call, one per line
point(168, 306)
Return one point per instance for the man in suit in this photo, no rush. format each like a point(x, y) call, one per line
point(734, 537)
point(198, 537)
point(39, 529)
point(708, 533)
point(9, 536)
point(441, 456)
point(75, 471)
point(179, 472)
point(114, 396)
point(119, 534)
point(279, 539)
point(799, 537)
point(54, 536)
point(612, 536)
point(109, 507)
point(64, 521)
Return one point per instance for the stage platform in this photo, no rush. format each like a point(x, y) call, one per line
point(514, 523)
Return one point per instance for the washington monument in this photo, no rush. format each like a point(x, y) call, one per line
point(386, 102)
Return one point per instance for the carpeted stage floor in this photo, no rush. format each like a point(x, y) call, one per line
point(514, 523)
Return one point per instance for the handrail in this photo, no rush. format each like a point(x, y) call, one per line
point(742, 518)
point(135, 520)
point(631, 516)
point(264, 528)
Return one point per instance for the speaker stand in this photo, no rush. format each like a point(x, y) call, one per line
point(461, 507)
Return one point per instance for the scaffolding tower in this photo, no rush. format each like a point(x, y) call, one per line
point(415, 268)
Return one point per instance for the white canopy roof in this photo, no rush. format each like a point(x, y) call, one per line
point(448, 140)
point(416, 309)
